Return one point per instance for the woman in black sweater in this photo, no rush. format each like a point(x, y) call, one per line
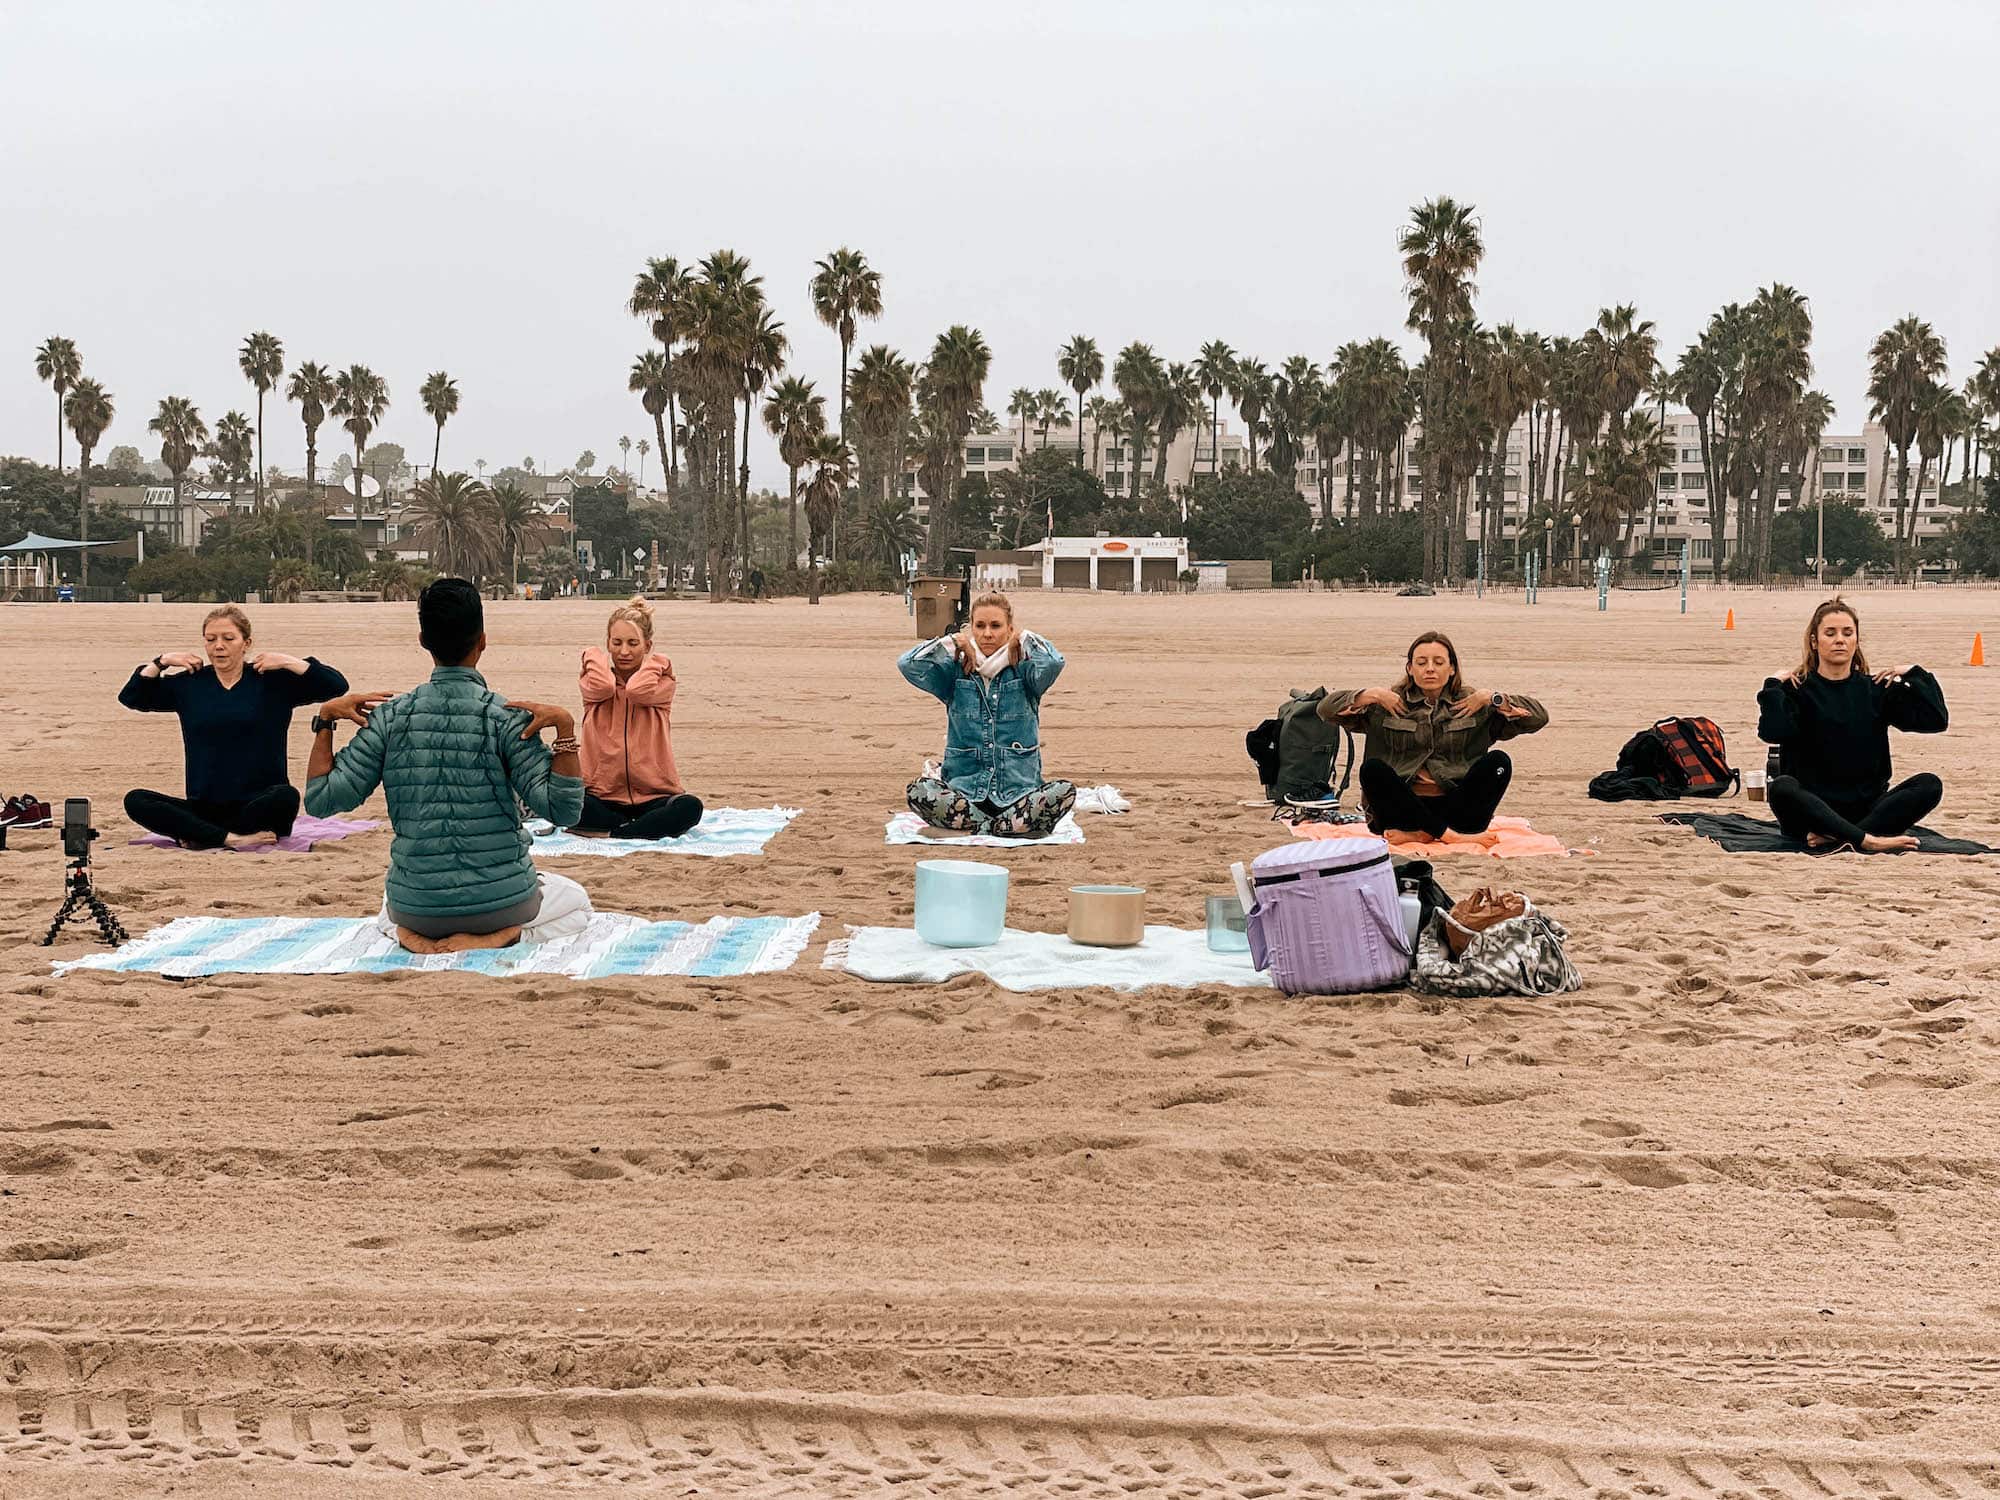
point(235, 716)
point(1830, 720)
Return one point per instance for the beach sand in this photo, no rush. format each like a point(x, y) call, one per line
point(1719, 1224)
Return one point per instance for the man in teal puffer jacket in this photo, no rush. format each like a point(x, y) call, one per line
point(456, 761)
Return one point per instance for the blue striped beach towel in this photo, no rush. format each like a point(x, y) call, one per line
point(722, 831)
point(613, 944)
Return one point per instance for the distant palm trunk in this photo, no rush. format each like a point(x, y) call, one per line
point(1351, 455)
point(59, 429)
point(672, 440)
point(743, 501)
point(792, 557)
point(437, 448)
point(260, 450)
point(83, 510)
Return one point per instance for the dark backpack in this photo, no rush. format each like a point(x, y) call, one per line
point(1675, 758)
point(1298, 753)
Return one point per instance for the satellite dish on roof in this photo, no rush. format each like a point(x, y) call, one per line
point(370, 488)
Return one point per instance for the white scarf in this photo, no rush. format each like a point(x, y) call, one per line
point(992, 666)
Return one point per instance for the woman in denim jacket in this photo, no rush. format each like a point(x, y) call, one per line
point(990, 678)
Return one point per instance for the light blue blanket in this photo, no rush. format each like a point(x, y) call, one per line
point(722, 831)
point(614, 943)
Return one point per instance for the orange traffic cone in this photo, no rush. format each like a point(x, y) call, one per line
point(1729, 621)
point(1978, 651)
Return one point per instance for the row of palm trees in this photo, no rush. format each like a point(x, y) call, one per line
point(1593, 455)
point(721, 347)
point(357, 396)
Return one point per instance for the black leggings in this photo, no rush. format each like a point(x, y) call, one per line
point(1466, 808)
point(1800, 812)
point(661, 818)
point(206, 825)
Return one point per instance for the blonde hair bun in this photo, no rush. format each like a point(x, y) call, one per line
point(635, 612)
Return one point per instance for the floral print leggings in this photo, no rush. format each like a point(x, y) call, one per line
point(1033, 817)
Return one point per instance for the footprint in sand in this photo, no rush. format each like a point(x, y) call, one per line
point(1610, 1130)
point(1843, 1207)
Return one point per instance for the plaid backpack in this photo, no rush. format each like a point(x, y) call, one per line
point(1675, 758)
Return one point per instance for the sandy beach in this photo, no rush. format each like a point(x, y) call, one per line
point(1711, 1226)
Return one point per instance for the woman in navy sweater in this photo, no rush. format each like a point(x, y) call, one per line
point(1830, 720)
point(235, 716)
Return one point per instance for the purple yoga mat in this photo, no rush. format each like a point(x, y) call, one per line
point(306, 832)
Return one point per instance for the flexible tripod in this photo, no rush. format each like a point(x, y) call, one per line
point(83, 894)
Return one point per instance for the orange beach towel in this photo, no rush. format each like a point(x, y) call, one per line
point(1507, 838)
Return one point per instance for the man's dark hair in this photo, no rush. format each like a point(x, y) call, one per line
point(449, 620)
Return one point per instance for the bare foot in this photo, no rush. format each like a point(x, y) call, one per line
point(249, 840)
point(1876, 843)
point(589, 833)
point(1817, 841)
point(466, 942)
point(417, 943)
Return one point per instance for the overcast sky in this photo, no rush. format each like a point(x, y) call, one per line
point(471, 187)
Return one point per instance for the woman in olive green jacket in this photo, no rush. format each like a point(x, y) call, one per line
point(1430, 765)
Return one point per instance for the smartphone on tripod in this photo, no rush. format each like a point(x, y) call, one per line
point(79, 892)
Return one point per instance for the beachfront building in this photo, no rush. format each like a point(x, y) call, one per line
point(1114, 564)
point(173, 523)
point(1110, 458)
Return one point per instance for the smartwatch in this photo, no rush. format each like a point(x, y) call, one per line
point(319, 724)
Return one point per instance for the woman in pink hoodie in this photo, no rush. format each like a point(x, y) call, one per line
point(631, 789)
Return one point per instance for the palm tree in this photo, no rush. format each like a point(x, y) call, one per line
point(1082, 369)
point(514, 518)
point(1138, 375)
point(1216, 371)
point(625, 454)
point(951, 389)
point(829, 482)
point(1177, 408)
point(360, 398)
point(58, 363)
point(88, 406)
point(1250, 390)
point(233, 449)
point(764, 359)
point(650, 382)
point(1510, 382)
point(439, 395)
point(1096, 410)
point(262, 360)
point(1905, 357)
point(659, 295)
point(795, 415)
point(454, 522)
point(1441, 249)
point(313, 388)
point(181, 432)
point(645, 447)
point(1115, 421)
point(889, 531)
point(880, 395)
point(1626, 350)
point(1985, 390)
point(1024, 405)
point(843, 288)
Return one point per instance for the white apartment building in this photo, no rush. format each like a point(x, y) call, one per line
point(1857, 468)
point(1189, 453)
